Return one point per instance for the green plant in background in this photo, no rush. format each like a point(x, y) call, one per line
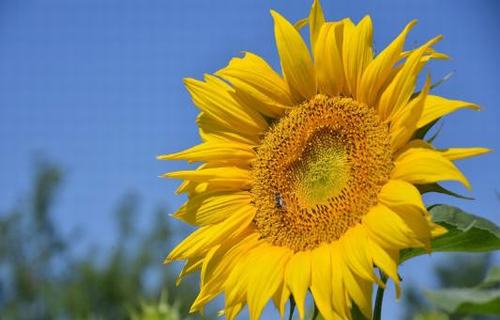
point(160, 310)
point(41, 277)
point(460, 271)
point(482, 299)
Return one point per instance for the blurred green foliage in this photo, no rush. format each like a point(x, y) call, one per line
point(41, 276)
point(482, 299)
point(462, 271)
point(160, 310)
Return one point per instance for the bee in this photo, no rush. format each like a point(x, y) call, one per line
point(279, 202)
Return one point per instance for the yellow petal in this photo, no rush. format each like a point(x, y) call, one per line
point(234, 177)
point(357, 52)
point(254, 78)
point(211, 130)
point(437, 230)
point(192, 265)
point(266, 275)
point(416, 143)
point(388, 229)
point(256, 99)
point(418, 222)
point(236, 284)
point(422, 166)
point(430, 53)
point(321, 280)
point(397, 68)
point(404, 122)
point(213, 98)
point(212, 207)
point(399, 91)
point(379, 69)
point(450, 153)
point(232, 312)
point(280, 299)
point(295, 59)
point(359, 290)
point(339, 294)
point(214, 151)
point(435, 107)
point(316, 20)
point(354, 244)
point(208, 257)
point(298, 278)
point(405, 200)
point(462, 153)
point(387, 260)
point(301, 23)
point(401, 193)
point(256, 72)
point(204, 238)
point(220, 265)
point(328, 59)
point(196, 187)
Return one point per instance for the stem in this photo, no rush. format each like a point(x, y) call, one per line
point(377, 312)
point(316, 311)
point(292, 308)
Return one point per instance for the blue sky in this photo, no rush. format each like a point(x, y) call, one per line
point(96, 86)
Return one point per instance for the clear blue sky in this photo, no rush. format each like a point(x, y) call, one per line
point(96, 86)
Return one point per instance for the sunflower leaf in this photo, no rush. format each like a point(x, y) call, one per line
point(492, 278)
point(466, 233)
point(421, 132)
point(483, 299)
point(468, 301)
point(435, 135)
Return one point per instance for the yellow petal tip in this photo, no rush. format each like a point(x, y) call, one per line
point(164, 157)
point(167, 260)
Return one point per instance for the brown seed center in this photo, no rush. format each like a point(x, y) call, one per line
point(318, 171)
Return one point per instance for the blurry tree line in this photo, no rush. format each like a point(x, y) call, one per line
point(41, 277)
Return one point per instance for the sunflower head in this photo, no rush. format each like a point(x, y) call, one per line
point(310, 177)
point(318, 171)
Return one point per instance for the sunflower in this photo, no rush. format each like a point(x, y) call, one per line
point(310, 179)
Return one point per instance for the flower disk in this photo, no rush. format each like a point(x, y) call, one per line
point(318, 171)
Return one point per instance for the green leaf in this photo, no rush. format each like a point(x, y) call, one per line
point(420, 133)
point(492, 278)
point(466, 301)
point(435, 135)
point(484, 299)
point(466, 233)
